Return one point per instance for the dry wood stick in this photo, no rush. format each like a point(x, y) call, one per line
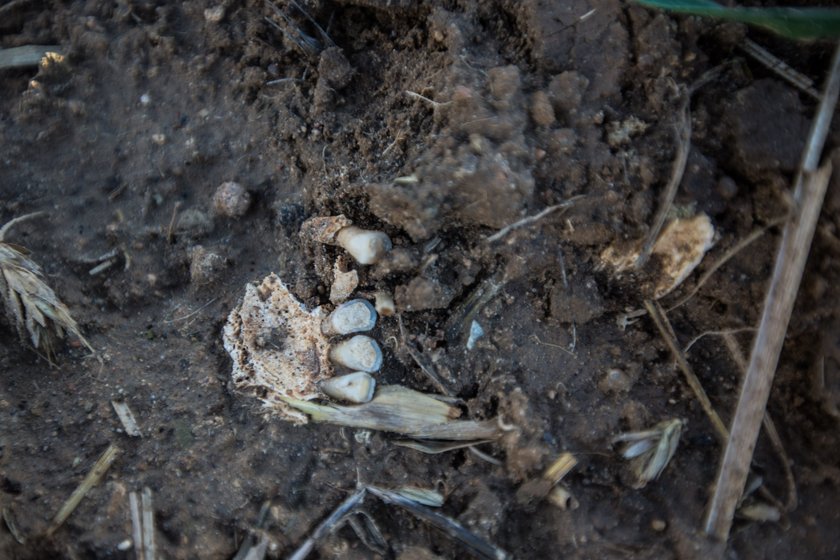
point(666, 330)
point(768, 424)
point(808, 195)
point(328, 524)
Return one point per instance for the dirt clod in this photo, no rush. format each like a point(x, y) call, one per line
point(231, 200)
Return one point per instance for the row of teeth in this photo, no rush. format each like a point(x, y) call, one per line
point(360, 354)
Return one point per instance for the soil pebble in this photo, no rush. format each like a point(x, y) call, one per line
point(231, 200)
point(423, 293)
point(205, 266)
point(194, 223)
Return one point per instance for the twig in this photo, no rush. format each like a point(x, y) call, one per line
point(426, 366)
point(773, 63)
point(682, 137)
point(91, 480)
point(531, 219)
point(667, 332)
point(478, 546)
point(811, 184)
point(469, 308)
point(734, 250)
point(328, 524)
point(252, 548)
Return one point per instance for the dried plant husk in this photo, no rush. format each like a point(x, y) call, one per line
point(31, 305)
point(651, 450)
point(404, 411)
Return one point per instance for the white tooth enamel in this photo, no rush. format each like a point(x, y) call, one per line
point(385, 304)
point(360, 353)
point(357, 387)
point(353, 316)
point(366, 246)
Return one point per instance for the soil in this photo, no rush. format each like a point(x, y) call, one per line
point(525, 104)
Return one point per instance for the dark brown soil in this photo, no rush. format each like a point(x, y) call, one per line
point(156, 104)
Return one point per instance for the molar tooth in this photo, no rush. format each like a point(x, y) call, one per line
point(356, 387)
point(366, 246)
point(360, 353)
point(356, 315)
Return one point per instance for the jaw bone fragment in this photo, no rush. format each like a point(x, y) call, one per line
point(277, 346)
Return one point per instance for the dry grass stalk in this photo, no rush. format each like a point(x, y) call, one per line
point(148, 524)
point(682, 133)
point(769, 427)
point(413, 500)
point(11, 525)
point(811, 184)
point(330, 523)
point(437, 447)
point(560, 467)
point(478, 546)
point(423, 362)
point(531, 219)
point(31, 305)
point(142, 524)
point(667, 332)
point(136, 525)
point(401, 410)
point(255, 544)
point(26, 55)
point(92, 479)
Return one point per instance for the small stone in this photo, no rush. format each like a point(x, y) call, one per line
point(727, 187)
point(231, 200)
point(194, 223)
point(658, 525)
point(615, 381)
point(205, 266)
point(423, 293)
point(505, 83)
point(541, 110)
point(214, 14)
